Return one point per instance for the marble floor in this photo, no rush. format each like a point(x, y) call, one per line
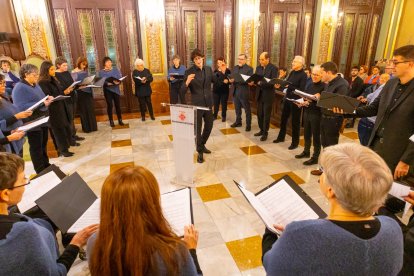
point(230, 230)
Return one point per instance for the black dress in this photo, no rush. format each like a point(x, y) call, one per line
point(86, 105)
point(65, 80)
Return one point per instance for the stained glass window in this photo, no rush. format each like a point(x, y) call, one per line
point(372, 37)
point(261, 33)
point(86, 28)
point(276, 38)
point(348, 24)
point(306, 37)
point(292, 26)
point(108, 24)
point(191, 27)
point(227, 37)
point(209, 37)
point(132, 36)
point(171, 24)
point(359, 38)
point(63, 36)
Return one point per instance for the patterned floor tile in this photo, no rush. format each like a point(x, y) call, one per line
point(292, 175)
point(250, 150)
point(247, 253)
point(213, 192)
point(121, 143)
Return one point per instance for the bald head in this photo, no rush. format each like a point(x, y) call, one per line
point(264, 59)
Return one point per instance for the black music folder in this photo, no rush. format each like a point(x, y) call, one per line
point(282, 202)
point(282, 83)
point(331, 100)
point(113, 80)
point(67, 202)
point(254, 78)
point(177, 76)
point(51, 168)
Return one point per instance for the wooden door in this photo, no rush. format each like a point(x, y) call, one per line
point(95, 29)
point(357, 33)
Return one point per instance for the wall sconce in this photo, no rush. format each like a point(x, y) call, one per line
point(330, 15)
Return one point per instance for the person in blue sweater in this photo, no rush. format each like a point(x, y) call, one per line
point(177, 69)
point(134, 237)
point(350, 241)
point(25, 94)
point(112, 92)
point(28, 246)
point(11, 79)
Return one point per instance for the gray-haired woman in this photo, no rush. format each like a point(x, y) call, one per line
point(350, 241)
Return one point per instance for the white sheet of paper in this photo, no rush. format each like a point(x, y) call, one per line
point(245, 77)
point(267, 79)
point(412, 138)
point(33, 107)
point(176, 207)
point(139, 78)
point(398, 190)
point(305, 95)
point(87, 80)
point(300, 101)
point(121, 79)
point(61, 97)
point(406, 208)
point(34, 124)
point(91, 216)
point(37, 188)
point(74, 83)
point(92, 86)
point(284, 91)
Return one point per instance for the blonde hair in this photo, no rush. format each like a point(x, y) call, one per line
point(138, 61)
point(359, 177)
point(301, 59)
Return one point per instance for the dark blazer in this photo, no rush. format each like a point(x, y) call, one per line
point(142, 89)
point(266, 92)
point(59, 112)
point(398, 125)
point(200, 87)
point(356, 87)
point(219, 86)
point(242, 88)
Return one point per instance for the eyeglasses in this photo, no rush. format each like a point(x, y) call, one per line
point(396, 62)
point(27, 183)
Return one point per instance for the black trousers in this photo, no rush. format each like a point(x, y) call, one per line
point(264, 110)
point(115, 98)
point(62, 137)
point(312, 131)
point(176, 96)
point(241, 101)
point(290, 108)
point(38, 148)
point(207, 116)
point(144, 103)
point(220, 98)
point(330, 127)
point(72, 112)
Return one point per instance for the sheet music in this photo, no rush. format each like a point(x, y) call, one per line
point(267, 79)
point(412, 138)
point(299, 101)
point(92, 86)
point(139, 78)
point(91, 216)
point(34, 124)
point(121, 79)
point(305, 95)
point(33, 107)
point(74, 83)
point(87, 80)
point(176, 207)
point(398, 190)
point(36, 189)
point(60, 97)
point(245, 77)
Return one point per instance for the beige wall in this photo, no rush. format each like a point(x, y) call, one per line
point(405, 30)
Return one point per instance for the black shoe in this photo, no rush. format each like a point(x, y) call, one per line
point(78, 138)
point(278, 140)
point(248, 128)
point(121, 123)
point(303, 155)
point(223, 119)
point(260, 133)
point(74, 144)
point(264, 137)
point(206, 150)
point(111, 123)
point(312, 161)
point(67, 153)
point(214, 117)
point(292, 147)
point(200, 158)
point(236, 125)
point(143, 119)
point(152, 118)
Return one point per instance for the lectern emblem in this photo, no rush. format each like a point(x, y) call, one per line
point(182, 116)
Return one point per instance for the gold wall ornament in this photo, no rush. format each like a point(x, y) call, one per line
point(330, 19)
point(154, 47)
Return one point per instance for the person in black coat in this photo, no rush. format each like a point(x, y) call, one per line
point(241, 93)
point(297, 77)
point(265, 94)
point(198, 78)
point(221, 88)
point(142, 78)
point(59, 112)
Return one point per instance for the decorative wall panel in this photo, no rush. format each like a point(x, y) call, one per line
point(291, 37)
point(307, 35)
point(63, 36)
point(374, 33)
point(276, 38)
point(359, 38)
point(261, 33)
point(209, 37)
point(228, 37)
point(171, 23)
point(132, 36)
point(348, 24)
point(191, 27)
point(87, 38)
point(108, 23)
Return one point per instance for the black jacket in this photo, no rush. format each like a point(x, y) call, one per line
point(356, 87)
point(142, 89)
point(314, 88)
point(397, 125)
point(200, 86)
point(243, 88)
point(59, 113)
point(219, 86)
point(339, 86)
point(266, 92)
point(298, 80)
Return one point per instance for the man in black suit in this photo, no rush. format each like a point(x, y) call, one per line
point(356, 84)
point(241, 93)
point(265, 95)
point(198, 79)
